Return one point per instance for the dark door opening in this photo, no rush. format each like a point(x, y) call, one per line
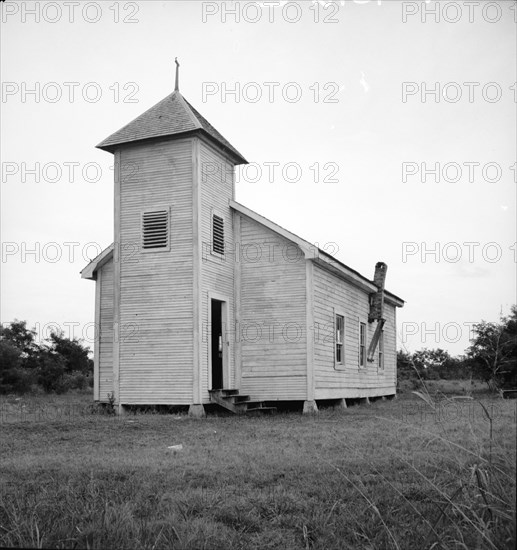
point(217, 345)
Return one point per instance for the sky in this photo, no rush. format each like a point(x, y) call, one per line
point(378, 130)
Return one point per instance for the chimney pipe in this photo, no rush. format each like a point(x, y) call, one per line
point(377, 307)
point(377, 299)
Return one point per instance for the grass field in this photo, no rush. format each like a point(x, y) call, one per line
point(395, 474)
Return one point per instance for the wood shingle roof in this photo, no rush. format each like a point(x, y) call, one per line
point(172, 116)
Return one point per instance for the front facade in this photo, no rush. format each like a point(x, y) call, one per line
point(199, 293)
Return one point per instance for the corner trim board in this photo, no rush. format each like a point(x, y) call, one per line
point(116, 282)
point(309, 314)
point(97, 338)
point(197, 379)
point(237, 303)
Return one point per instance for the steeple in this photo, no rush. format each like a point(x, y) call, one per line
point(172, 117)
point(177, 85)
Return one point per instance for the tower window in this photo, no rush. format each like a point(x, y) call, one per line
point(155, 229)
point(217, 234)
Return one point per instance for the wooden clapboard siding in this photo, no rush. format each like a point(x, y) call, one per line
point(279, 388)
point(105, 331)
point(333, 295)
point(272, 331)
point(156, 287)
point(390, 345)
point(217, 274)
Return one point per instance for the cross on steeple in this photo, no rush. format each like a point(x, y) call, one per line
point(177, 85)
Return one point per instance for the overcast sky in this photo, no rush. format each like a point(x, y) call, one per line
point(356, 102)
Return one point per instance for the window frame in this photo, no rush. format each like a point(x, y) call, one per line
point(339, 364)
point(362, 345)
point(149, 210)
point(380, 353)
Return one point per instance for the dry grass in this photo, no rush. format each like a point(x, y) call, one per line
point(400, 474)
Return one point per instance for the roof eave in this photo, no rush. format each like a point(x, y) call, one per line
point(238, 158)
point(393, 298)
point(89, 271)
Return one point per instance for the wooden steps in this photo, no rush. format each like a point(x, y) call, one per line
point(232, 401)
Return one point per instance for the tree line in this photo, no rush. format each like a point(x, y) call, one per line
point(491, 357)
point(60, 364)
point(57, 365)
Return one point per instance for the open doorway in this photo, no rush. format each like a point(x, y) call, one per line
point(216, 344)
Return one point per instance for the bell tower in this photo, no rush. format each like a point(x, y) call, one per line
point(171, 270)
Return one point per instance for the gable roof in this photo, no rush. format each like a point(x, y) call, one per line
point(318, 255)
point(105, 256)
point(172, 116)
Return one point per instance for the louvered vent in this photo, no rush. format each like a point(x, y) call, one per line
point(217, 234)
point(155, 229)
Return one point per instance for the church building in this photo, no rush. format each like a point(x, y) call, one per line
point(202, 300)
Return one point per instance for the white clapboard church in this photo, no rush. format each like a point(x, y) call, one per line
point(202, 300)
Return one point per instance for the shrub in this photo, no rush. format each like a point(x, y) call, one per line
point(59, 365)
point(74, 381)
point(75, 355)
point(51, 369)
point(10, 356)
point(13, 377)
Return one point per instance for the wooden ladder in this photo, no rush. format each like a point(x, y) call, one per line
point(232, 401)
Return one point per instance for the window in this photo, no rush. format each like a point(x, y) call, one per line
point(217, 234)
point(340, 330)
point(381, 351)
point(155, 229)
point(362, 344)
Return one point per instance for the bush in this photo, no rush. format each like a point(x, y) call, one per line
point(75, 381)
point(493, 352)
point(59, 365)
point(51, 369)
point(10, 356)
point(64, 382)
point(13, 378)
point(73, 353)
point(405, 369)
point(16, 380)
